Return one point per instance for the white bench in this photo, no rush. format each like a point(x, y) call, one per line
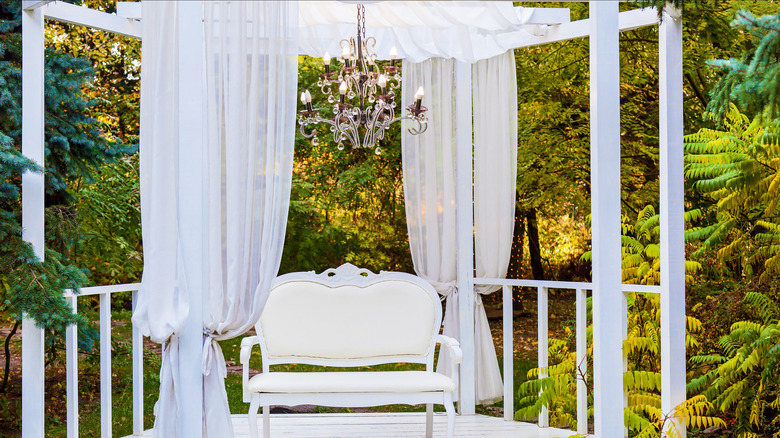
point(350, 317)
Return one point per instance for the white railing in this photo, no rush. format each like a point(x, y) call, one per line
point(71, 354)
point(581, 311)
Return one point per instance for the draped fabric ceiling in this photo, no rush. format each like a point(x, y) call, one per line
point(466, 30)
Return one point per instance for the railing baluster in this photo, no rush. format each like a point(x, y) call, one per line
point(582, 360)
point(105, 365)
point(138, 376)
point(542, 327)
point(509, 354)
point(72, 373)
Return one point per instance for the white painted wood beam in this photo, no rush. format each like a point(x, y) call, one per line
point(464, 198)
point(106, 404)
point(129, 10)
point(72, 373)
point(33, 372)
point(107, 289)
point(190, 35)
point(543, 15)
point(69, 13)
point(29, 5)
point(543, 346)
point(672, 218)
point(581, 338)
point(605, 219)
point(509, 354)
point(628, 20)
point(138, 375)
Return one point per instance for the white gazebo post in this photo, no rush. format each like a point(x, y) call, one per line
point(672, 217)
point(464, 198)
point(608, 298)
point(190, 66)
point(32, 210)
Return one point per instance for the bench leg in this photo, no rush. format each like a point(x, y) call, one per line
point(429, 420)
point(254, 404)
point(450, 408)
point(266, 421)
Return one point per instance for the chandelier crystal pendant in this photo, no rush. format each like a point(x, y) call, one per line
point(362, 94)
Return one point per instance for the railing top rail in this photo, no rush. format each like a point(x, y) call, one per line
point(534, 283)
point(108, 289)
point(550, 284)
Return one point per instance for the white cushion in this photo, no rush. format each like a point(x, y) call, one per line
point(350, 382)
point(313, 320)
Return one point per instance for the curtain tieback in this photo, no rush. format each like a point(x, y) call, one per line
point(212, 356)
point(444, 288)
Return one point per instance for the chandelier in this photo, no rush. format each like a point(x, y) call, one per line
point(362, 94)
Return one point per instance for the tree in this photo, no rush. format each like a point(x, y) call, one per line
point(75, 145)
point(739, 170)
point(752, 81)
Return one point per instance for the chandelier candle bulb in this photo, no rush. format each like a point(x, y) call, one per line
point(326, 61)
point(308, 100)
point(342, 91)
point(393, 55)
point(418, 97)
point(382, 82)
point(346, 54)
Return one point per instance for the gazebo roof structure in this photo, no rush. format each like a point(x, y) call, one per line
point(492, 28)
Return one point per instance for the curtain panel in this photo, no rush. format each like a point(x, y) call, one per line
point(250, 103)
point(429, 190)
point(494, 93)
point(429, 184)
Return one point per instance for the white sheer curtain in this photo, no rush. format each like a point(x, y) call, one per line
point(251, 73)
point(429, 184)
point(251, 77)
point(162, 300)
point(429, 190)
point(494, 85)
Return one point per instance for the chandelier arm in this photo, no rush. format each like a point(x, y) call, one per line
point(348, 129)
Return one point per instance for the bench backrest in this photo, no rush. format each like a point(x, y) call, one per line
point(349, 317)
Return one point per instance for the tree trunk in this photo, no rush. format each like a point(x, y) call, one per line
point(8, 356)
point(516, 260)
point(534, 250)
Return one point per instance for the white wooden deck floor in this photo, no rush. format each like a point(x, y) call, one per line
point(390, 425)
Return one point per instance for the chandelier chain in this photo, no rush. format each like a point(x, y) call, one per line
point(362, 20)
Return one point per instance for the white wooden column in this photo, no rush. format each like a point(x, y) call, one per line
point(605, 218)
point(672, 216)
point(464, 197)
point(191, 210)
point(32, 213)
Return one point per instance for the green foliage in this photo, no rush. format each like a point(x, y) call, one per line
point(348, 205)
point(555, 386)
point(109, 218)
point(641, 251)
point(74, 145)
point(642, 346)
point(752, 81)
point(739, 170)
point(114, 90)
point(745, 379)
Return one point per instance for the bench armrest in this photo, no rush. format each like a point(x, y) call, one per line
point(246, 352)
point(456, 354)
